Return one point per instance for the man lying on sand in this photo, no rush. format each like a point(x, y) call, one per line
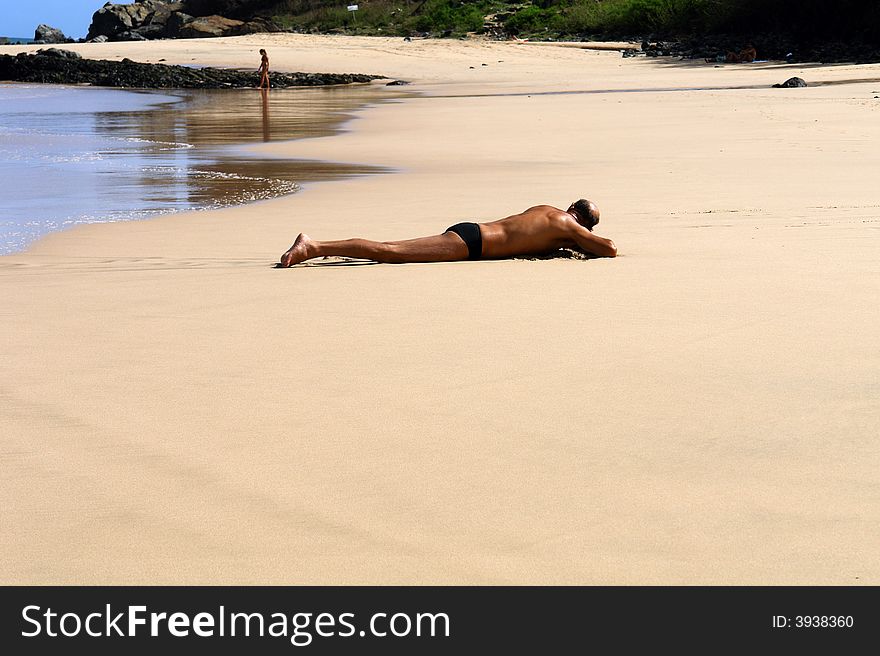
point(745, 56)
point(537, 231)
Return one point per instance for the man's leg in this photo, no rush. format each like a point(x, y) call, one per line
point(447, 247)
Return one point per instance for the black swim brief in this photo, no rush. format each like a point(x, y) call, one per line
point(470, 235)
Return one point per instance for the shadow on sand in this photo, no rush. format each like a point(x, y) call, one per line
point(561, 254)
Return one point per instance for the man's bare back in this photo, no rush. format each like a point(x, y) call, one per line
point(536, 231)
point(539, 230)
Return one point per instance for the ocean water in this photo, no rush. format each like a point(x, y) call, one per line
point(72, 155)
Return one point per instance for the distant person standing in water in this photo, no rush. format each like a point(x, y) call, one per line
point(264, 69)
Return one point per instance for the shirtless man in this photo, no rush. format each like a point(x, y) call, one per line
point(745, 56)
point(539, 230)
point(264, 69)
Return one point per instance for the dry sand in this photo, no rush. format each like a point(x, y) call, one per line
point(703, 409)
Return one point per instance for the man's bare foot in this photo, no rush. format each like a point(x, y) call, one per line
point(303, 249)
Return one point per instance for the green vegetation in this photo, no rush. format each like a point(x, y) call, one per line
point(533, 20)
point(804, 19)
point(441, 16)
point(390, 17)
point(838, 19)
point(636, 16)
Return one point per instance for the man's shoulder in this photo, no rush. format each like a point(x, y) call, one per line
point(556, 215)
point(546, 211)
point(545, 214)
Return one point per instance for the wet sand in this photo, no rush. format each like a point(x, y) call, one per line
point(113, 155)
point(702, 409)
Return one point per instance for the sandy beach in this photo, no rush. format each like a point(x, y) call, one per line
point(703, 409)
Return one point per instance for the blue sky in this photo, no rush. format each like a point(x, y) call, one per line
point(20, 17)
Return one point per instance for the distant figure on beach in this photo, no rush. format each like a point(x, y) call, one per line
point(538, 230)
point(745, 56)
point(264, 69)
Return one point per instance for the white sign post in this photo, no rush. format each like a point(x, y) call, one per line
point(353, 9)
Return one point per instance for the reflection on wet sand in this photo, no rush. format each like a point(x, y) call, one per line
point(267, 132)
point(192, 148)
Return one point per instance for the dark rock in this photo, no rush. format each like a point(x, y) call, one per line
point(791, 83)
point(109, 20)
point(150, 31)
point(257, 26)
point(61, 69)
point(47, 34)
point(208, 26)
point(112, 20)
point(396, 83)
point(57, 52)
point(175, 21)
point(163, 13)
point(769, 46)
point(141, 10)
point(243, 9)
point(101, 38)
point(129, 35)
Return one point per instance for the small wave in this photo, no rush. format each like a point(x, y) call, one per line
point(112, 217)
point(72, 159)
point(221, 175)
point(11, 155)
point(19, 91)
point(174, 145)
point(29, 157)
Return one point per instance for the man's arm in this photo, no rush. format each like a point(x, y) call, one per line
point(591, 243)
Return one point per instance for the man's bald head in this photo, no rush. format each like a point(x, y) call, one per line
point(587, 212)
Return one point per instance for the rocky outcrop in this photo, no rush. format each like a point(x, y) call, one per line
point(57, 52)
point(258, 25)
point(240, 9)
point(714, 48)
point(176, 21)
point(47, 34)
point(114, 20)
point(163, 13)
point(208, 26)
point(160, 19)
point(62, 67)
